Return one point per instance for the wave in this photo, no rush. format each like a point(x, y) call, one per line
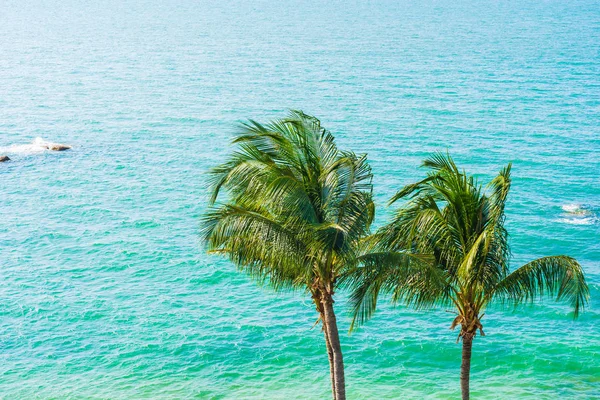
point(579, 221)
point(577, 209)
point(38, 145)
point(578, 214)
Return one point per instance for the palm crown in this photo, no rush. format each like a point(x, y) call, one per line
point(297, 205)
point(448, 245)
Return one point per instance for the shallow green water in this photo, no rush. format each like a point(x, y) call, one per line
point(104, 289)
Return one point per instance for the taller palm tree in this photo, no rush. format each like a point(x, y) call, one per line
point(296, 211)
point(448, 245)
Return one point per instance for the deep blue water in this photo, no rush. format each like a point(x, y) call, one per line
point(105, 291)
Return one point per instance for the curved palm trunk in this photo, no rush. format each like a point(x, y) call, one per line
point(465, 368)
point(330, 356)
point(331, 329)
point(317, 299)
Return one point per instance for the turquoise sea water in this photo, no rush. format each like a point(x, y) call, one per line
point(105, 292)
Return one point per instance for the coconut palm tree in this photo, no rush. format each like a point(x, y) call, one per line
point(447, 245)
point(296, 210)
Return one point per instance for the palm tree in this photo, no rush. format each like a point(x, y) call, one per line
point(447, 245)
point(296, 211)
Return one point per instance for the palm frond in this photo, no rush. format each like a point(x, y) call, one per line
point(256, 243)
point(417, 187)
point(561, 276)
point(409, 278)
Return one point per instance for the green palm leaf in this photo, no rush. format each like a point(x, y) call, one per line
point(559, 276)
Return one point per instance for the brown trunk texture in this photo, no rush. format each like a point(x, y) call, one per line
point(316, 295)
point(330, 356)
point(465, 368)
point(334, 341)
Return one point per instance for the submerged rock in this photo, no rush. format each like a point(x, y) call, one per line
point(57, 147)
point(4, 158)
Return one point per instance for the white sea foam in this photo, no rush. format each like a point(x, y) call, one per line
point(578, 214)
point(577, 209)
point(570, 207)
point(579, 221)
point(38, 145)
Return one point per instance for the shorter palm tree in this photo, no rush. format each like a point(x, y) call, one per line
point(448, 246)
point(296, 212)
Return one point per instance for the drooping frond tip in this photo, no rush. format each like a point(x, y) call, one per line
point(559, 276)
point(409, 278)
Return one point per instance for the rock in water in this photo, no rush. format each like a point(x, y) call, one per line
point(4, 158)
point(58, 147)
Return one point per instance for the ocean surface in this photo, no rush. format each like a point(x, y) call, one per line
point(105, 289)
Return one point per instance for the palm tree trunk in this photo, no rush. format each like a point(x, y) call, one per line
point(465, 368)
point(334, 341)
point(316, 295)
point(330, 356)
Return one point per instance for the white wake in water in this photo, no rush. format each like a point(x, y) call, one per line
point(39, 145)
point(577, 214)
